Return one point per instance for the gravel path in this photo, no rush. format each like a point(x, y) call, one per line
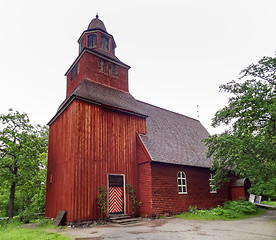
point(256, 228)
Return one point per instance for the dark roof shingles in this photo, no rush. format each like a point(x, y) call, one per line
point(174, 138)
point(171, 137)
point(107, 96)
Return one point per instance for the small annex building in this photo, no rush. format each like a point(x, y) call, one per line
point(102, 136)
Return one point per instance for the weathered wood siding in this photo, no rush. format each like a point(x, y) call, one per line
point(62, 138)
point(87, 143)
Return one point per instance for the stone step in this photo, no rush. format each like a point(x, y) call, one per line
point(123, 219)
point(126, 221)
point(119, 216)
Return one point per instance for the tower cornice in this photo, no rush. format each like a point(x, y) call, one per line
point(94, 31)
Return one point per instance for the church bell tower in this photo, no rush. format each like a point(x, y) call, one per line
point(97, 61)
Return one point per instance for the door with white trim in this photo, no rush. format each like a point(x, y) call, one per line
point(116, 193)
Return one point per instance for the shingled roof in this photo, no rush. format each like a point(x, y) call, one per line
point(104, 96)
point(174, 138)
point(171, 137)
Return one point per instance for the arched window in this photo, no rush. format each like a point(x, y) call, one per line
point(181, 182)
point(212, 184)
point(92, 40)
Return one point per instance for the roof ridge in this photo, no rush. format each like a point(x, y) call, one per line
point(164, 109)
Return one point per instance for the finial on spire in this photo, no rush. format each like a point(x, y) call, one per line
point(97, 15)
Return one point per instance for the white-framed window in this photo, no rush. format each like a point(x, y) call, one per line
point(213, 188)
point(181, 183)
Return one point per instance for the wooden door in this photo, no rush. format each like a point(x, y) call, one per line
point(116, 193)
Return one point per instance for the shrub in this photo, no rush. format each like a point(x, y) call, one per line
point(102, 201)
point(241, 207)
point(230, 210)
point(193, 209)
point(134, 202)
point(44, 222)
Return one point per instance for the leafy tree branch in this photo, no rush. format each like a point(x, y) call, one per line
point(248, 146)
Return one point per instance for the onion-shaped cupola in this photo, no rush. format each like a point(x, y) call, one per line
point(96, 37)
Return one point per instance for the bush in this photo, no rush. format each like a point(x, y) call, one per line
point(102, 201)
point(193, 209)
point(243, 207)
point(44, 222)
point(230, 210)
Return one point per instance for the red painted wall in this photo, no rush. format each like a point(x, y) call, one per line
point(86, 144)
point(237, 193)
point(89, 69)
point(165, 197)
point(59, 187)
point(144, 193)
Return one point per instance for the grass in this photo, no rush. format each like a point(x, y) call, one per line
point(271, 203)
point(15, 230)
point(232, 210)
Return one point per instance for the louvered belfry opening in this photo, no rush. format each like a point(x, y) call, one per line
point(116, 194)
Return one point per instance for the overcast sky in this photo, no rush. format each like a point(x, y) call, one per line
point(180, 52)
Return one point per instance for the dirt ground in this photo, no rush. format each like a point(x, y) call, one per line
point(256, 228)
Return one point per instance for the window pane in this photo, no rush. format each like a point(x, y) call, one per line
point(179, 181)
point(104, 42)
point(81, 45)
point(184, 189)
point(179, 189)
point(184, 181)
point(75, 71)
point(92, 41)
point(179, 174)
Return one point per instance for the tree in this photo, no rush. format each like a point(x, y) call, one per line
point(248, 146)
point(22, 158)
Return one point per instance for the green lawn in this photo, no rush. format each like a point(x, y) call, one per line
point(14, 231)
point(271, 203)
point(230, 211)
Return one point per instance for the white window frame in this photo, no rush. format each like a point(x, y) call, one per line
point(183, 184)
point(212, 185)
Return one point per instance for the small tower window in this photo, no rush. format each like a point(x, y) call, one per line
point(104, 43)
point(113, 47)
point(75, 71)
point(103, 66)
point(81, 45)
point(113, 70)
point(92, 40)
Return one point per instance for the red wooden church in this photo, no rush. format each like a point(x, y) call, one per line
point(102, 136)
